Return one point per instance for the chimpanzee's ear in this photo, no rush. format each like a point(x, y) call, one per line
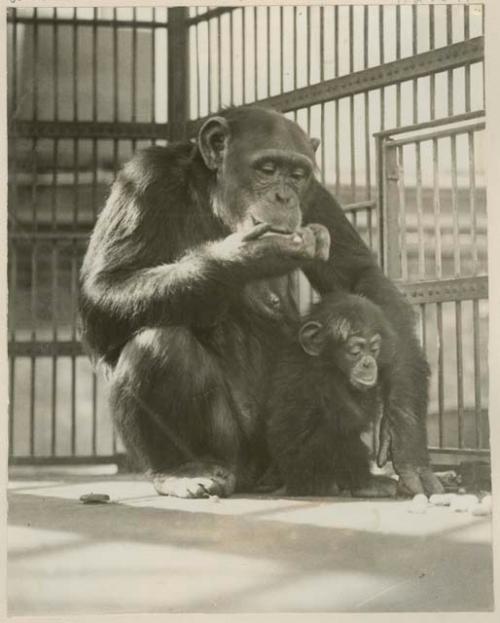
point(212, 141)
point(315, 142)
point(311, 338)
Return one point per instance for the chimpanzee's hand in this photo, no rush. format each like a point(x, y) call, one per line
point(311, 242)
point(413, 479)
point(263, 252)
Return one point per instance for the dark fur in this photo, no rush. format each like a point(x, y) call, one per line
point(190, 336)
point(315, 415)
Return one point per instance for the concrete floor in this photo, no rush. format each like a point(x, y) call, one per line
point(145, 553)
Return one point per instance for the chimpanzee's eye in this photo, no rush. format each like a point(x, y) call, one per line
point(268, 168)
point(298, 175)
point(354, 350)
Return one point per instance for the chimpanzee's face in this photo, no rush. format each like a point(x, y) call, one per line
point(264, 165)
point(357, 358)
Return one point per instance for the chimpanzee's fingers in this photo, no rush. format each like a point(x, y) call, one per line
point(323, 240)
point(257, 232)
point(384, 443)
point(383, 451)
point(431, 482)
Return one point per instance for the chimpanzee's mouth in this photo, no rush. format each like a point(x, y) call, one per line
point(365, 382)
point(270, 230)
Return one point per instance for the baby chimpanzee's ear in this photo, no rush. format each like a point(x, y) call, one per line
point(311, 338)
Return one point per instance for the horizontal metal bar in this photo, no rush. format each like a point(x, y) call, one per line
point(387, 74)
point(68, 21)
point(425, 125)
point(67, 348)
point(443, 290)
point(459, 451)
point(360, 205)
point(96, 459)
point(453, 131)
point(87, 129)
point(211, 14)
point(27, 235)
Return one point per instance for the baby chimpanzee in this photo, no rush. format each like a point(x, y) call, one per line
point(325, 393)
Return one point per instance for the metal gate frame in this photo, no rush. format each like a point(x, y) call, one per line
point(423, 291)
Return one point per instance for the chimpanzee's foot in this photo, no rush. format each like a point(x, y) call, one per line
point(377, 487)
point(195, 480)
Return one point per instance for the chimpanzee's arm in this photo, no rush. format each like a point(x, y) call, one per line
point(352, 266)
point(159, 255)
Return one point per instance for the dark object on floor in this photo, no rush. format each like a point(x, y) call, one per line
point(95, 498)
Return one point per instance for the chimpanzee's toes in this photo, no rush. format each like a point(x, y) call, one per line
point(196, 480)
point(418, 480)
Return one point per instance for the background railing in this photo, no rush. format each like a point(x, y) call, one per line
point(87, 87)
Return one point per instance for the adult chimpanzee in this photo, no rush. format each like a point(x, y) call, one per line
point(181, 298)
point(325, 393)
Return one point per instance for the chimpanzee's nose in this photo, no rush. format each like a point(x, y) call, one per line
point(282, 196)
point(367, 363)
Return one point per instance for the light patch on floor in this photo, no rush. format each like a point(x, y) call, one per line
point(146, 553)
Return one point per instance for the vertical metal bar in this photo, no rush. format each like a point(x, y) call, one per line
point(477, 375)
point(73, 291)
point(115, 87)
point(369, 224)
point(423, 326)
point(432, 76)
point(460, 373)
point(268, 49)
point(94, 196)
point(282, 51)
point(196, 42)
point(398, 56)
point(34, 275)
point(34, 249)
point(402, 213)
point(436, 209)
point(178, 71)
point(392, 210)
point(440, 351)
point(295, 37)
point(243, 54)
point(467, 10)
point(54, 250)
point(382, 60)
point(13, 338)
point(219, 60)
point(308, 44)
point(380, 173)
point(472, 202)
point(366, 104)
point(231, 55)
point(153, 73)
point(255, 66)
point(209, 71)
point(133, 81)
point(351, 106)
point(337, 103)
point(454, 207)
point(322, 77)
point(13, 245)
point(414, 35)
point(35, 64)
point(420, 212)
point(449, 41)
